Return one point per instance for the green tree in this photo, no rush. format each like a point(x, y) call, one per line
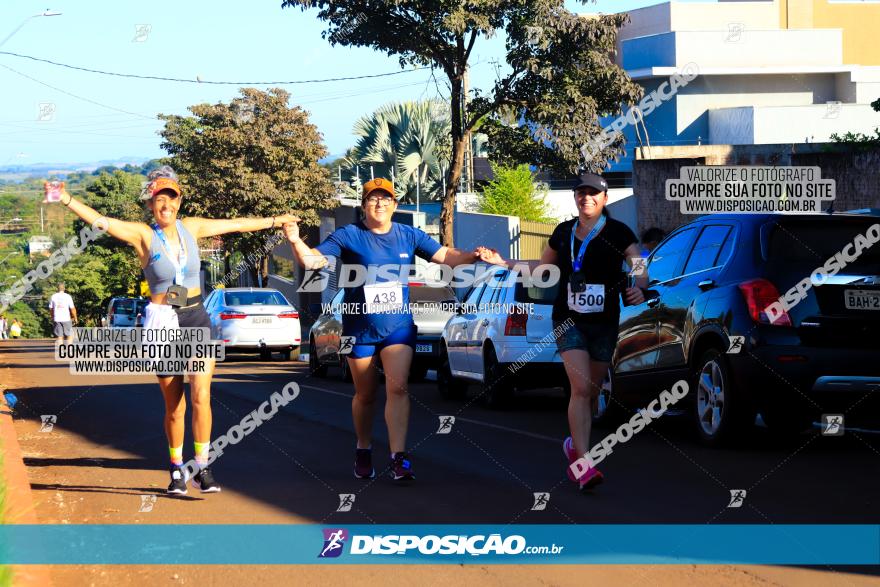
point(513, 193)
point(255, 156)
point(561, 74)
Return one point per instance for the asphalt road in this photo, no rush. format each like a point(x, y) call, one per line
point(108, 445)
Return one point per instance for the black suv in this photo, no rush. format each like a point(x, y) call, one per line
point(707, 321)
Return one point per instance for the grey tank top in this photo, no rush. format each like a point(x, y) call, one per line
point(160, 271)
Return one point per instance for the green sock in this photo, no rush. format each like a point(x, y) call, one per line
point(176, 453)
point(202, 453)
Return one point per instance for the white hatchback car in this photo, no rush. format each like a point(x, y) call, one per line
point(502, 338)
point(253, 318)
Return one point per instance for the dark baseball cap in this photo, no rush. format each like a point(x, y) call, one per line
point(591, 180)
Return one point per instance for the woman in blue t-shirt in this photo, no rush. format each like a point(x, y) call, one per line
point(377, 315)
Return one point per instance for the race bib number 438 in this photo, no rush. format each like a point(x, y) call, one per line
point(383, 297)
point(591, 300)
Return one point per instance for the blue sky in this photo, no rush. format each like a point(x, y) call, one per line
point(90, 117)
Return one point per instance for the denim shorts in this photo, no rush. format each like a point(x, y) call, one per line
point(599, 340)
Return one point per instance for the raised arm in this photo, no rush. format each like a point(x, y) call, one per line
point(306, 256)
point(133, 233)
point(205, 227)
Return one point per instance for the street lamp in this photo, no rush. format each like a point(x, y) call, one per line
point(46, 12)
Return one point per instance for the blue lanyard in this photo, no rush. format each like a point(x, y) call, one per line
point(179, 263)
point(577, 261)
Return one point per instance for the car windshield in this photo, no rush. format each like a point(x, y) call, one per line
point(815, 240)
point(255, 298)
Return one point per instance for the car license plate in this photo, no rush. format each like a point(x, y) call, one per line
point(861, 299)
point(423, 348)
point(262, 320)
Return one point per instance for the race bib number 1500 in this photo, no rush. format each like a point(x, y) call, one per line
point(591, 300)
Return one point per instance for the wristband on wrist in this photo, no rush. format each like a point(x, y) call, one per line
point(69, 199)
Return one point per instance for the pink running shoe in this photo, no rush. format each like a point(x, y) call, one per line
point(590, 479)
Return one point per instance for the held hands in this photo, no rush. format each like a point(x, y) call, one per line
point(490, 256)
point(285, 219)
point(634, 296)
point(291, 228)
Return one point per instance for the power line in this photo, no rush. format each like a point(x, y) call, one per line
point(72, 95)
point(199, 81)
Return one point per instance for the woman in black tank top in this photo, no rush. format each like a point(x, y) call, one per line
point(589, 251)
point(162, 196)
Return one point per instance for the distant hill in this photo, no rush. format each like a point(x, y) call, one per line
point(18, 172)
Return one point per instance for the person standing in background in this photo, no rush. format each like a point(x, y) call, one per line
point(63, 314)
point(15, 329)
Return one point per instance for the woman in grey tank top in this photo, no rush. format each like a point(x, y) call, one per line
point(169, 255)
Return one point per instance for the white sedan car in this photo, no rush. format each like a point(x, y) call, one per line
point(501, 339)
point(253, 318)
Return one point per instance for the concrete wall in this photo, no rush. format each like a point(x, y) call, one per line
point(472, 229)
point(788, 124)
point(857, 174)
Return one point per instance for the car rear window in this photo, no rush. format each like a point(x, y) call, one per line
point(123, 306)
point(815, 240)
point(534, 295)
point(255, 298)
point(424, 294)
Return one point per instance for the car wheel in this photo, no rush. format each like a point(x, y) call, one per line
point(449, 386)
point(346, 372)
point(497, 387)
point(316, 369)
point(418, 373)
point(720, 412)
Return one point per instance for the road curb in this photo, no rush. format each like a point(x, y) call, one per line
point(19, 505)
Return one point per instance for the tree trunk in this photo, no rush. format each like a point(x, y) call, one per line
point(447, 213)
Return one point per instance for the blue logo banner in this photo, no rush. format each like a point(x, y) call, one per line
point(453, 544)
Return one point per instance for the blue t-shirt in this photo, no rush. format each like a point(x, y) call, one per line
point(354, 244)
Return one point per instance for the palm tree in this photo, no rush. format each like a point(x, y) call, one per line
point(412, 138)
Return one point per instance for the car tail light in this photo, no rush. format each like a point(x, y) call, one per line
point(760, 293)
point(416, 284)
point(288, 315)
point(232, 315)
point(516, 322)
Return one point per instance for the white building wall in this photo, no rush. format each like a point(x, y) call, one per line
point(759, 48)
point(812, 124)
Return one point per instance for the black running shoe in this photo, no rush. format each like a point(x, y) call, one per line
point(178, 482)
point(363, 464)
point(204, 481)
point(401, 468)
